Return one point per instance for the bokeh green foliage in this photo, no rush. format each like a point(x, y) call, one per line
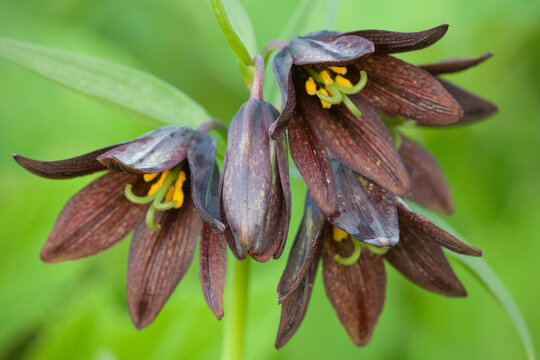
point(77, 310)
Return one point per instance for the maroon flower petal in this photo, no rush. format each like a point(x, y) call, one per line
point(397, 88)
point(159, 259)
point(96, 218)
point(284, 213)
point(154, 152)
point(365, 210)
point(282, 65)
point(394, 42)
point(213, 264)
point(356, 291)
point(454, 65)
point(294, 307)
point(427, 230)
point(64, 169)
point(205, 179)
point(329, 51)
point(303, 249)
point(312, 161)
point(421, 259)
point(428, 184)
point(363, 145)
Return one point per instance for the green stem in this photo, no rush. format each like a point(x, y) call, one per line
point(235, 324)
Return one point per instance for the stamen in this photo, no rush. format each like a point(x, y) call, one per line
point(334, 100)
point(339, 70)
point(178, 193)
point(351, 259)
point(311, 86)
point(326, 77)
point(325, 104)
point(149, 177)
point(155, 187)
point(338, 234)
point(169, 195)
point(350, 90)
point(343, 81)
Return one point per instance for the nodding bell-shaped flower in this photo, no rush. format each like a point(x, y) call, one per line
point(162, 185)
point(255, 190)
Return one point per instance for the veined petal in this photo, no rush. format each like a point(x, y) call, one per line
point(96, 218)
point(284, 213)
point(397, 88)
point(159, 259)
point(205, 179)
point(313, 163)
point(151, 153)
point(282, 65)
point(356, 291)
point(365, 210)
point(421, 259)
point(430, 232)
point(303, 249)
point(213, 263)
point(428, 184)
point(329, 51)
point(455, 65)
point(387, 42)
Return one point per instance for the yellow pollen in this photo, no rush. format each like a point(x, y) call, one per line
point(149, 177)
point(338, 234)
point(169, 196)
point(343, 81)
point(339, 69)
point(326, 77)
point(178, 194)
point(163, 177)
point(324, 104)
point(330, 92)
point(311, 87)
point(153, 188)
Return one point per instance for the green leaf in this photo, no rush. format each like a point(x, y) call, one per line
point(242, 24)
point(491, 282)
point(133, 92)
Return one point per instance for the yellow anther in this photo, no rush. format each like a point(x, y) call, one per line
point(178, 194)
point(163, 177)
point(153, 188)
point(311, 87)
point(341, 70)
point(326, 77)
point(324, 104)
point(330, 92)
point(343, 81)
point(149, 177)
point(338, 234)
point(169, 196)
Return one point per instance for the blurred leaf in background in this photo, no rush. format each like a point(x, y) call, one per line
point(77, 309)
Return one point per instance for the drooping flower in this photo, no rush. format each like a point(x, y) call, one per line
point(256, 196)
point(353, 270)
point(161, 185)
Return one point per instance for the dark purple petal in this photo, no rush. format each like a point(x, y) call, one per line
point(159, 259)
point(282, 65)
point(364, 145)
point(365, 210)
point(356, 291)
point(400, 89)
point(96, 218)
point(394, 42)
point(454, 65)
point(64, 169)
point(430, 232)
point(312, 161)
point(151, 153)
point(303, 249)
point(295, 305)
point(329, 51)
point(284, 213)
point(212, 269)
point(421, 259)
point(205, 179)
point(428, 184)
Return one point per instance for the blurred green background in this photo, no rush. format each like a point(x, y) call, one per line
point(77, 310)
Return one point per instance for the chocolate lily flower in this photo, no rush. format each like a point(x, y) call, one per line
point(332, 86)
point(353, 270)
point(256, 196)
point(161, 184)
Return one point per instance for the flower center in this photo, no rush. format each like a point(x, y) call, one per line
point(339, 235)
point(164, 194)
point(332, 87)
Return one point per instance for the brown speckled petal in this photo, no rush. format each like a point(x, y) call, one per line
point(428, 184)
point(159, 259)
point(365, 210)
point(212, 269)
point(400, 89)
point(154, 152)
point(96, 218)
point(394, 42)
point(284, 213)
point(356, 291)
point(282, 65)
point(303, 249)
point(329, 51)
point(455, 65)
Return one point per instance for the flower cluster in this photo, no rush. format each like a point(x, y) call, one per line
point(344, 98)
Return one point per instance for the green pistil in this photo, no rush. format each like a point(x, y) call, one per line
point(351, 259)
point(375, 249)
